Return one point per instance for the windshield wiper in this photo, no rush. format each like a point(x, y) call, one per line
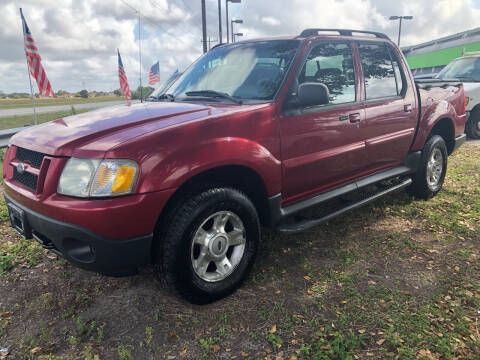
point(170, 97)
point(213, 93)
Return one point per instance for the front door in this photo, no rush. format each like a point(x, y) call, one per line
point(323, 146)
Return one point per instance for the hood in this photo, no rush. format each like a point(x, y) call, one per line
point(105, 128)
point(471, 86)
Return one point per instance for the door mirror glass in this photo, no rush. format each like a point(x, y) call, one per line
point(312, 94)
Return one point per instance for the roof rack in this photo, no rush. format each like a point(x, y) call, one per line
point(344, 32)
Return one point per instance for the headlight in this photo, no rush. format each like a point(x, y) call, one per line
point(98, 178)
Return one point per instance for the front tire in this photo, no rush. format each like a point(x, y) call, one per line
point(208, 244)
point(428, 180)
point(472, 127)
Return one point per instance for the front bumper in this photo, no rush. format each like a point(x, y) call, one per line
point(80, 246)
point(459, 140)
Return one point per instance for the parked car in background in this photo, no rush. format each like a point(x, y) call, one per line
point(252, 134)
point(467, 69)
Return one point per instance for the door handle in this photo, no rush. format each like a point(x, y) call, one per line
point(354, 118)
point(407, 108)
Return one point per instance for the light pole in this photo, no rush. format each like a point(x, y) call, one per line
point(226, 9)
point(220, 21)
point(237, 34)
point(236, 21)
point(400, 25)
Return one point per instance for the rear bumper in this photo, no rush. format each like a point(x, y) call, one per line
point(80, 246)
point(459, 140)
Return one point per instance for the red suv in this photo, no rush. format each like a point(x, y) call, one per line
point(251, 134)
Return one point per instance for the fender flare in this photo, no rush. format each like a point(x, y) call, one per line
point(174, 168)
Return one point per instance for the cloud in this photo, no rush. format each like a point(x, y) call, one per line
point(78, 39)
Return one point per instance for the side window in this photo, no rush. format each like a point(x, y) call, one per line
point(378, 71)
point(331, 64)
point(397, 69)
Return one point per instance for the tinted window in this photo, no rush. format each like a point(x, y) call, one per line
point(378, 71)
point(397, 70)
point(332, 65)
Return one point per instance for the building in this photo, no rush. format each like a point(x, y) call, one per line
point(432, 56)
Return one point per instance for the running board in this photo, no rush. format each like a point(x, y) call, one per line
point(307, 224)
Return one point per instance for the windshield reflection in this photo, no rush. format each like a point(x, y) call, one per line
point(251, 70)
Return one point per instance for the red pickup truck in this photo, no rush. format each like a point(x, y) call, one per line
point(252, 134)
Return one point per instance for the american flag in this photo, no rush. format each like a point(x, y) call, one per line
point(34, 62)
point(123, 79)
point(154, 76)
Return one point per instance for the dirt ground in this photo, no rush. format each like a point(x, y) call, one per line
point(398, 279)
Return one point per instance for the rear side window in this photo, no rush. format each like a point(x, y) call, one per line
point(331, 64)
point(381, 70)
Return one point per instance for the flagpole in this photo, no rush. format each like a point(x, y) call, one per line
point(35, 120)
point(140, 58)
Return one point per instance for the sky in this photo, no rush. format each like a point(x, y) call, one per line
point(77, 39)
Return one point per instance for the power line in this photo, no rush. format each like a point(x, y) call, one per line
point(184, 29)
point(153, 23)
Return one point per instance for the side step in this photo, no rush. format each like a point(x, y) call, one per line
point(307, 224)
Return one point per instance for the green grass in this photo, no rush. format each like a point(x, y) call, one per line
point(25, 103)
point(22, 120)
point(401, 281)
point(455, 210)
point(19, 251)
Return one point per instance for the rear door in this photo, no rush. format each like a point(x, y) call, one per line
point(323, 146)
point(390, 105)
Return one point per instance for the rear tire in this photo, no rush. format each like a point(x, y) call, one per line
point(428, 180)
point(472, 127)
point(208, 244)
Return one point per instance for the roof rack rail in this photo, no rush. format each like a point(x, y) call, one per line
point(344, 32)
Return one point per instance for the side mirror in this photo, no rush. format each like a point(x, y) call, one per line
point(311, 94)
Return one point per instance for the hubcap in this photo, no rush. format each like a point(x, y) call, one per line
point(218, 246)
point(478, 125)
point(434, 168)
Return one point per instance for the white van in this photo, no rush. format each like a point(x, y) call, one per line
point(467, 69)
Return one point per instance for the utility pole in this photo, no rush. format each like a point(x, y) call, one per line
point(204, 27)
point(140, 58)
point(210, 41)
point(220, 21)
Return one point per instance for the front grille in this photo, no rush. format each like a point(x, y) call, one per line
point(26, 179)
point(34, 158)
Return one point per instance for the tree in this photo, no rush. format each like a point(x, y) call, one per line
point(61, 93)
point(145, 91)
point(117, 92)
point(83, 93)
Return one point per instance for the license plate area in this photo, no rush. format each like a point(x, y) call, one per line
point(18, 220)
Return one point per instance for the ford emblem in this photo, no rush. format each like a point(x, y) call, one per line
point(20, 168)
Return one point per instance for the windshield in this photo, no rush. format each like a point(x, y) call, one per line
point(466, 69)
point(250, 71)
point(164, 86)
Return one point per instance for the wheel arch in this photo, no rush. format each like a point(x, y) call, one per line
point(444, 127)
point(239, 177)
